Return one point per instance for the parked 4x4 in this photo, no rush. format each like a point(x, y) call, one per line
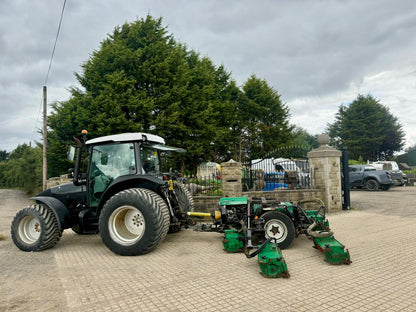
point(369, 177)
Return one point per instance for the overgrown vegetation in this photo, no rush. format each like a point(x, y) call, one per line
point(22, 169)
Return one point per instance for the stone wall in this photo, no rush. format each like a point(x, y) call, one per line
point(231, 179)
point(206, 203)
point(57, 181)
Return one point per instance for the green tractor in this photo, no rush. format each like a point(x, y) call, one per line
point(123, 195)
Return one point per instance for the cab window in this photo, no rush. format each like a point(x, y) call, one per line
point(150, 160)
point(113, 160)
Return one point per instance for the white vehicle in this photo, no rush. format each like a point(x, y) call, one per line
point(396, 174)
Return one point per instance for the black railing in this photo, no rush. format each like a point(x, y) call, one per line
point(276, 173)
point(207, 185)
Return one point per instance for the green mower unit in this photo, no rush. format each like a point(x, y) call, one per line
point(269, 226)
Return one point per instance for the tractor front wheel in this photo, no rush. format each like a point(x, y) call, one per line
point(35, 228)
point(134, 221)
point(278, 226)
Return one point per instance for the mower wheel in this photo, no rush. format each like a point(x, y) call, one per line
point(134, 221)
point(35, 228)
point(279, 227)
point(372, 185)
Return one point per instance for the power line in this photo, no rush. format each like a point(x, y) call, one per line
point(56, 40)
point(50, 64)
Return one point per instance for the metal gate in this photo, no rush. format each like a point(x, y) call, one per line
point(285, 168)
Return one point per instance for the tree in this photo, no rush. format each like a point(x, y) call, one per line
point(304, 138)
point(4, 155)
point(366, 128)
point(262, 120)
point(141, 79)
point(23, 170)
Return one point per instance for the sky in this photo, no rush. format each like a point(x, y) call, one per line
point(317, 54)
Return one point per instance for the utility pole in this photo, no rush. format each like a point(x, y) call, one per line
point(45, 138)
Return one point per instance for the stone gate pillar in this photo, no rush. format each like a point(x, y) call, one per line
point(231, 179)
point(325, 167)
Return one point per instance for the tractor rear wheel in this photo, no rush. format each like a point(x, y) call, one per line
point(278, 226)
point(134, 221)
point(185, 199)
point(35, 228)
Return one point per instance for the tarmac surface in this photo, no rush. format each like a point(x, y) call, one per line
point(190, 271)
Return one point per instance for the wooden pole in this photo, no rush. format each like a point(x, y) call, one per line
point(45, 138)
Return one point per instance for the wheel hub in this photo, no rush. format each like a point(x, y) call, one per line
point(29, 229)
point(37, 227)
point(275, 229)
point(126, 225)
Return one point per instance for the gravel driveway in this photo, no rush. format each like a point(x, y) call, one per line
point(190, 271)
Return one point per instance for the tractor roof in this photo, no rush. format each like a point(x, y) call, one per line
point(127, 137)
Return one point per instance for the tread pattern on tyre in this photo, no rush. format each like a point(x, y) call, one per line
point(50, 234)
point(183, 191)
point(159, 222)
point(164, 214)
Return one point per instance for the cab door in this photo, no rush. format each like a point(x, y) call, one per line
point(107, 163)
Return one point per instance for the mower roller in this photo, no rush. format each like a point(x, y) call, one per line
point(267, 226)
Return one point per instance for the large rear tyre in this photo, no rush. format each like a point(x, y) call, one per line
point(134, 221)
point(185, 199)
point(278, 226)
point(35, 228)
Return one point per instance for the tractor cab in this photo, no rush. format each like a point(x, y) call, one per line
point(120, 162)
point(128, 158)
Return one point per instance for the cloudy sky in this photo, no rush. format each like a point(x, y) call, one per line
point(317, 54)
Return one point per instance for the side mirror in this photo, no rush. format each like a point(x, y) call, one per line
point(71, 173)
point(71, 153)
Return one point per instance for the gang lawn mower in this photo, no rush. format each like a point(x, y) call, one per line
point(261, 227)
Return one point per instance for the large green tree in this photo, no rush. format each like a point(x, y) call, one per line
point(141, 79)
point(367, 129)
point(262, 120)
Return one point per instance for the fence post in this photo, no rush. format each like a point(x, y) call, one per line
point(231, 179)
point(325, 165)
point(346, 205)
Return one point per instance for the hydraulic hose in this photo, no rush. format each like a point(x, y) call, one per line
point(258, 249)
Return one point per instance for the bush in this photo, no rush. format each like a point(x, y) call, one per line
point(23, 170)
